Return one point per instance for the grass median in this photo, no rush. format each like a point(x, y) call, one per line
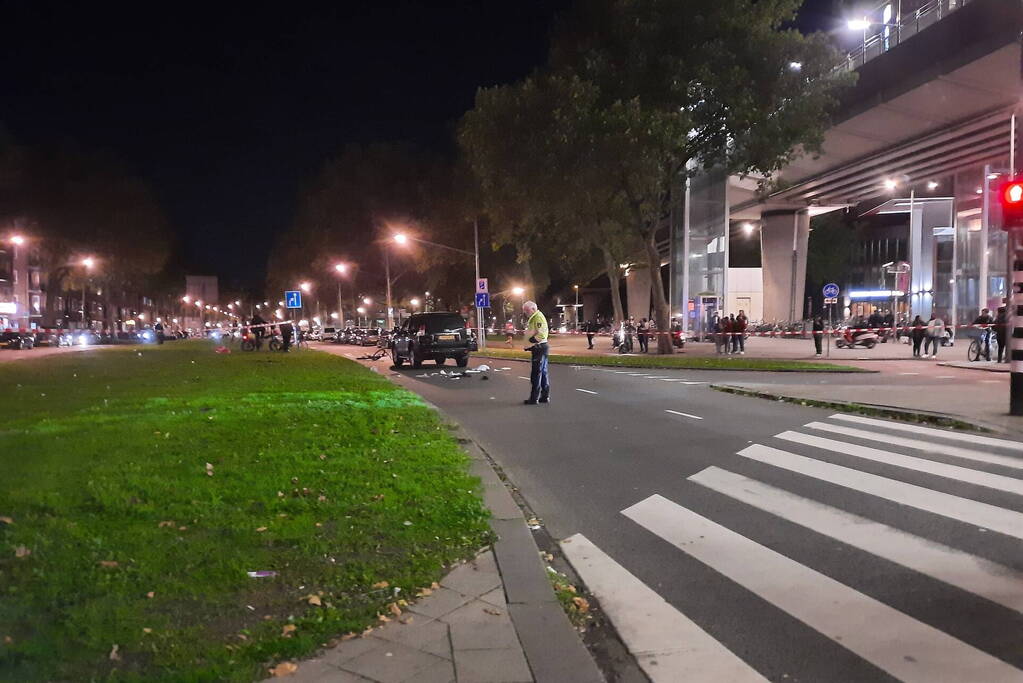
point(142, 485)
point(680, 361)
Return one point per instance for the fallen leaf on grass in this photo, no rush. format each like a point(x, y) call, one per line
point(182, 528)
point(209, 470)
point(110, 564)
point(114, 656)
point(394, 609)
point(424, 592)
point(319, 524)
point(582, 604)
point(322, 499)
point(166, 523)
point(284, 669)
point(288, 630)
point(349, 636)
point(381, 584)
point(490, 610)
point(147, 630)
point(150, 594)
point(383, 617)
point(262, 528)
point(22, 551)
point(6, 520)
point(313, 600)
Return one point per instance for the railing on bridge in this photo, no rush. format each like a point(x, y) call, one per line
point(891, 35)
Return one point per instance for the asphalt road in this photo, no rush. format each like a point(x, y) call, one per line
point(818, 554)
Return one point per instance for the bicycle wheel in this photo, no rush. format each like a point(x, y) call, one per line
point(973, 353)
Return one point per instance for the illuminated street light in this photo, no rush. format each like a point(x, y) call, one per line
point(889, 184)
point(341, 267)
point(748, 228)
point(361, 310)
point(367, 301)
point(237, 302)
point(17, 240)
point(305, 287)
point(414, 302)
point(334, 316)
point(858, 24)
point(187, 299)
point(401, 239)
point(88, 262)
point(198, 303)
point(933, 185)
point(518, 291)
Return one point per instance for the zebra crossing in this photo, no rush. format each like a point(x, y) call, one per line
point(670, 645)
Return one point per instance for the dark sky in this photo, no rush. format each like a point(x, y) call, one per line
point(225, 108)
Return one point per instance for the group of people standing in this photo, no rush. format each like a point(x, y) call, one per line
point(730, 333)
point(929, 333)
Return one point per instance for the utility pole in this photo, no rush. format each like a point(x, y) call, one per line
point(387, 275)
point(481, 333)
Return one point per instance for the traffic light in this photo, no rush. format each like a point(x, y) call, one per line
point(1011, 197)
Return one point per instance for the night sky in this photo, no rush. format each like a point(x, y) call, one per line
point(225, 111)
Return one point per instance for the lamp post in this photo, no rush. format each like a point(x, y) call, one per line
point(340, 269)
point(403, 239)
point(88, 262)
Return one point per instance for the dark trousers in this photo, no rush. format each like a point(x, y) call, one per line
point(935, 341)
point(286, 336)
point(917, 340)
point(738, 342)
point(589, 339)
point(818, 341)
point(1001, 347)
point(540, 386)
point(643, 345)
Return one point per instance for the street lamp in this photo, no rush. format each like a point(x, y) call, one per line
point(366, 300)
point(402, 239)
point(360, 310)
point(415, 303)
point(576, 288)
point(341, 269)
point(88, 262)
point(17, 240)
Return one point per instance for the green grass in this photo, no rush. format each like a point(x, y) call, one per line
point(680, 361)
point(104, 458)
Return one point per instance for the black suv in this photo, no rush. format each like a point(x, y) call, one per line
point(432, 336)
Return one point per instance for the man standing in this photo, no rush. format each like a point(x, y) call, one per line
point(591, 329)
point(536, 328)
point(739, 330)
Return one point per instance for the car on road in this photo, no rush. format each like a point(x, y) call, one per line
point(12, 339)
point(328, 334)
point(370, 337)
point(435, 336)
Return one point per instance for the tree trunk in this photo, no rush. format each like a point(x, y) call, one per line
point(662, 312)
point(613, 276)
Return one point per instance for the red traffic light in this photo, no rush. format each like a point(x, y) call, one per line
point(1011, 198)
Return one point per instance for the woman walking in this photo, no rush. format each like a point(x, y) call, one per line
point(917, 335)
point(935, 331)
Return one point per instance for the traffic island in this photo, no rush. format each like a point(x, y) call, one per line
point(171, 512)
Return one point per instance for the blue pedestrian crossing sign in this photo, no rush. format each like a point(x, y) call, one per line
point(482, 300)
point(293, 299)
point(831, 290)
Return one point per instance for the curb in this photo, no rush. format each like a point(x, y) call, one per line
point(876, 410)
point(976, 368)
point(851, 371)
point(552, 646)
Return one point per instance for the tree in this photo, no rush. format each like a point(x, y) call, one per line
point(650, 91)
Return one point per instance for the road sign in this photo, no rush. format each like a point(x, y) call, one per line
point(482, 286)
point(831, 300)
point(831, 290)
point(293, 299)
point(482, 299)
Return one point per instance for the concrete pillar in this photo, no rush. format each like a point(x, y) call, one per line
point(783, 242)
point(637, 293)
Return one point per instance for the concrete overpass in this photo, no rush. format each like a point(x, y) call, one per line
point(936, 95)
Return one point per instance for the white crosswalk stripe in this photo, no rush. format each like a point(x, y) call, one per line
point(941, 469)
point(924, 653)
point(973, 574)
point(667, 645)
point(671, 646)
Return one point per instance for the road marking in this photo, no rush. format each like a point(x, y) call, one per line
point(929, 431)
point(675, 412)
point(667, 645)
point(909, 373)
point(940, 469)
point(637, 374)
point(669, 379)
point(586, 391)
point(991, 381)
point(973, 574)
point(963, 510)
point(836, 611)
point(525, 378)
point(928, 446)
point(649, 377)
point(946, 377)
point(693, 382)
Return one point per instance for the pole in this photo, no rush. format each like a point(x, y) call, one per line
point(481, 333)
point(83, 304)
point(387, 274)
point(1013, 310)
point(985, 236)
point(340, 308)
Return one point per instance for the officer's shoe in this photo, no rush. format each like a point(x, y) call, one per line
point(545, 399)
point(529, 402)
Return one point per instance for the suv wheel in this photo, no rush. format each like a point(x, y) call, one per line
point(440, 360)
point(462, 360)
point(398, 360)
point(417, 359)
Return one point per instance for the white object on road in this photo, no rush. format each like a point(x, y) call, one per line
point(482, 368)
point(667, 645)
point(586, 391)
point(996, 582)
point(903, 647)
point(929, 431)
point(675, 412)
point(964, 510)
point(940, 469)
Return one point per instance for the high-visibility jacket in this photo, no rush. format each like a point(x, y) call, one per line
point(536, 326)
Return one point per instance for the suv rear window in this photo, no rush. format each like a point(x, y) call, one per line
point(436, 324)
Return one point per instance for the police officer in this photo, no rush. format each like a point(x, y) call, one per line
point(536, 328)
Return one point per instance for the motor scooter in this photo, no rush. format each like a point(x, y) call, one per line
point(853, 337)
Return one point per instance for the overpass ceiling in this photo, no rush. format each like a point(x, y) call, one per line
point(952, 121)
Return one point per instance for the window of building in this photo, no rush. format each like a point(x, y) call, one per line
point(36, 304)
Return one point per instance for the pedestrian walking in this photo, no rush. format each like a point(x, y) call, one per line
point(726, 333)
point(935, 331)
point(1001, 324)
point(818, 334)
point(591, 329)
point(642, 334)
point(917, 334)
point(536, 328)
point(739, 330)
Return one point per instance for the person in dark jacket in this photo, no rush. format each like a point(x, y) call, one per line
point(591, 329)
point(1001, 326)
point(287, 332)
point(739, 331)
point(818, 334)
point(642, 334)
point(917, 334)
point(726, 333)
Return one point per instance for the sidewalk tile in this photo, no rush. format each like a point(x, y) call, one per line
point(428, 636)
point(393, 663)
point(475, 628)
point(471, 580)
point(525, 579)
point(492, 666)
point(441, 672)
point(442, 601)
point(556, 652)
point(350, 649)
point(318, 671)
point(495, 597)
